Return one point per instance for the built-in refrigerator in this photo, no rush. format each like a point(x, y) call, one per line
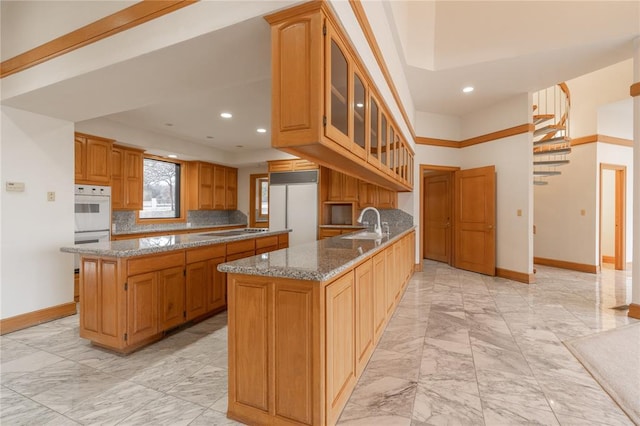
point(293, 204)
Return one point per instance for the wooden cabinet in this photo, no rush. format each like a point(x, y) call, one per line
point(364, 309)
point(92, 160)
point(340, 344)
point(211, 186)
point(142, 307)
point(386, 199)
point(297, 348)
point(325, 106)
point(367, 195)
point(126, 178)
point(342, 187)
point(231, 189)
point(171, 297)
point(328, 232)
point(294, 165)
point(205, 285)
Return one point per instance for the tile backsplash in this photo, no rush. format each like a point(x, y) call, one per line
point(125, 221)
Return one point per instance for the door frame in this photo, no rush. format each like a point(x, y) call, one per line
point(620, 214)
point(433, 167)
point(253, 178)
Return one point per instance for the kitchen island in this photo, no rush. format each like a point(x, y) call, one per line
point(133, 291)
point(303, 323)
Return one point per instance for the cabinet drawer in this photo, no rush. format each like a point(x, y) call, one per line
point(205, 253)
point(237, 256)
point(140, 265)
point(283, 240)
point(267, 242)
point(266, 249)
point(241, 246)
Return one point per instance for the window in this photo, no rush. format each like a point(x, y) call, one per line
point(259, 200)
point(161, 198)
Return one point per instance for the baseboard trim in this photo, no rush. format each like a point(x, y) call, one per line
point(29, 319)
point(634, 311)
point(580, 267)
point(418, 267)
point(608, 259)
point(516, 276)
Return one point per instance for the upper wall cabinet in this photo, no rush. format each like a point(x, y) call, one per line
point(211, 186)
point(126, 178)
point(92, 160)
point(325, 107)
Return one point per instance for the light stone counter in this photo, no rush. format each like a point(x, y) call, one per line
point(163, 243)
point(316, 261)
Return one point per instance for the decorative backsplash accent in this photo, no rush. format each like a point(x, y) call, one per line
point(125, 221)
point(394, 217)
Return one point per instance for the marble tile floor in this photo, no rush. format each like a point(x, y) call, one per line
point(462, 348)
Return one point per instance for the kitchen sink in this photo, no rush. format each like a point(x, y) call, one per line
point(364, 235)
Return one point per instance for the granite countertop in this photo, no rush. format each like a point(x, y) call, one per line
point(177, 228)
point(162, 243)
point(316, 261)
point(343, 226)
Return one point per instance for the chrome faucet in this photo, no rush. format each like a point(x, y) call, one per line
point(377, 228)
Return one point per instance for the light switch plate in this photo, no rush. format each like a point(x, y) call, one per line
point(51, 196)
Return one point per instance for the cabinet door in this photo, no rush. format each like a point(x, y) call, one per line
point(367, 195)
point(117, 184)
point(142, 307)
point(133, 180)
point(80, 155)
point(359, 116)
point(171, 297)
point(373, 154)
point(216, 285)
point(386, 198)
point(337, 71)
point(219, 188)
point(196, 289)
point(98, 161)
point(391, 278)
point(350, 188)
point(364, 315)
point(205, 186)
point(379, 294)
point(231, 185)
point(340, 341)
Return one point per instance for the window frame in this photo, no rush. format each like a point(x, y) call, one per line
point(255, 201)
point(181, 196)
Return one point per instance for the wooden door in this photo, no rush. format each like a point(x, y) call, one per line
point(171, 297)
point(219, 187)
point(364, 315)
point(133, 179)
point(437, 217)
point(196, 289)
point(98, 165)
point(231, 185)
point(474, 220)
point(340, 351)
point(117, 185)
point(216, 285)
point(142, 307)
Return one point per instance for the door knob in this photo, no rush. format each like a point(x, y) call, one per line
point(489, 227)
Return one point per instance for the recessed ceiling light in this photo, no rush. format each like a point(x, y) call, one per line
point(239, 146)
point(168, 124)
point(468, 89)
point(261, 130)
point(209, 137)
point(226, 115)
point(172, 156)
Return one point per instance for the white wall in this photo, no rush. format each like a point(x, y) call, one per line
point(562, 232)
point(590, 91)
point(608, 218)
point(438, 126)
point(37, 151)
point(513, 160)
point(623, 156)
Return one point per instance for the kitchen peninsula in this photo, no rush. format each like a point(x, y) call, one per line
point(303, 323)
point(132, 291)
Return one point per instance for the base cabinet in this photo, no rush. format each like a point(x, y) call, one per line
point(297, 348)
point(130, 302)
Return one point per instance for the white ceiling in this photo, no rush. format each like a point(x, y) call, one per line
point(501, 48)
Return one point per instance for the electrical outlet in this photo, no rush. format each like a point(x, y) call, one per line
point(583, 212)
point(51, 196)
point(519, 212)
